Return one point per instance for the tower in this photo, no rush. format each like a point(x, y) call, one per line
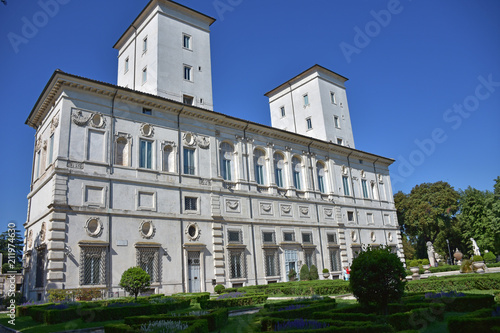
point(166, 52)
point(314, 104)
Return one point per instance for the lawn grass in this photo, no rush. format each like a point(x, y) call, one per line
point(28, 325)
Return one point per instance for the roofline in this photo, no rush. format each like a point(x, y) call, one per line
point(304, 72)
point(182, 105)
point(147, 6)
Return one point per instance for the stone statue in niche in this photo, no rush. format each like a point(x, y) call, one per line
point(431, 254)
point(475, 248)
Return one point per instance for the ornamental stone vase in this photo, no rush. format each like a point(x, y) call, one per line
point(426, 267)
point(479, 265)
point(415, 275)
point(458, 255)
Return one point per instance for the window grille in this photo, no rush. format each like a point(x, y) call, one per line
point(288, 236)
point(40, 268)
point(93, 265)
point(335, 264)
point(271, 259)
point(237, 264)
point(307, 238)
point(149, 260)
point(310, 258)
point(190, 203)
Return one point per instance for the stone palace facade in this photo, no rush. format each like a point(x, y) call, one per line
point(145, 173)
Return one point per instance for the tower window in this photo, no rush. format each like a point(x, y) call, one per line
point(187, 73)
point(187, 100)
point(306, 100)
point(144, 75)
point(144, 45)
point(333, 98)
point(336, 121)
point(282, 109)
point(186, 42)
point(309, 123)
point(340, 141)
point(147, 111)
point(126, 64)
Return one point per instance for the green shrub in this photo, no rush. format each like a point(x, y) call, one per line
point(456, 283)
point(490, 258)
point(233, 302)
point(313, 273)
point(219, 288)
point(118, 328)
point(425, 262)
point(325, 270)
point(477, 258)
point(377, 277)
point(413, 263)
point(57, 295)
point(304, 273)
point(466, 266)
point(467, 325)
point(292, 275)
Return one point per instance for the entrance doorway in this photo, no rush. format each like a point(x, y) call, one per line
point(194, 272)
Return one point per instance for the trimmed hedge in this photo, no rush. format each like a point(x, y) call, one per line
point(320, 287)
point(232, 302)
point(268, 324)
point(91, 314)
point(305, 312)
point(216, 319)
point(456, 283)
point(280, 305)
point(195, 326)
point(467, 324)
point(118, 328)
point(194, 297)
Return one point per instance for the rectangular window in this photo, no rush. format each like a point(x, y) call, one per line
point(272, 262)
point(236, 264)
point(340, 141)
point(146, 154)
point(147, 111)
point(268, 237)
point(296, 180)
point(335, 264)
point(189, 161)
point(144, 45)
point(93, 265)
point(186, 41)
point(289, 236)
point(51, 149)
point(144, 75)
point(333, 98)
point(278, 177)
point(306, 100)
point(259, 174)
point(336, 121)
point(226, 169)
point(40, 268)
point(309, 123)
point(149, 260)
point(187, 100)
point(282, 109)
point(321, 184)
point(190, 203)
point(306, 238)
point(187, 73)
point(332, 238)
point(365, 188)
point(345, 183)
point(350, 216)
point(309, 258)
point(126, 65)
point(234, 236)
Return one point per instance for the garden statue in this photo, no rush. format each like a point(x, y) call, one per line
point(475, 247)
point(431, 253)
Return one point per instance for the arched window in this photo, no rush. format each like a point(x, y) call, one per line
point(168, 159)
point(320, 168)
point(259, 161)
point(278, 169)
point(122, 152)
point(297, 172)
point(226, 154)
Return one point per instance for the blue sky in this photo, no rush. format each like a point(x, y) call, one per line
point(424, 76)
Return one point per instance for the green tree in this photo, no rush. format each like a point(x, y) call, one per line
point(480, 217)
point(135, 280)
point(428, 214)
point(14, 244)
point(304, 273)
point(377, 278)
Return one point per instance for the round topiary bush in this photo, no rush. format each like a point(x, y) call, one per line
point(414, 263)
point(377, 278)
point(219, 289)
point(477, 258)
point(425, 262)
point(490, 258)
point(135, 280)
